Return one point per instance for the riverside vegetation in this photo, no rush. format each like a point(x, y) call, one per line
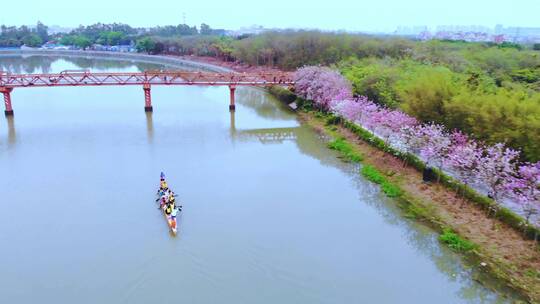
point(491, 92)
point(464, 226)
point(493, 170)
point(469, 110)
point(496, 236)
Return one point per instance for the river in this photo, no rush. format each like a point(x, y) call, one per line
point(270, 214)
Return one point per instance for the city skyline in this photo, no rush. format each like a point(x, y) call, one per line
point(342, 15)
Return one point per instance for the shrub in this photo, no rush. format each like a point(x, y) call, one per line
point(373, 174)
point(346, 150)
point(282, 94)
point(455, 242)
point(391, 190)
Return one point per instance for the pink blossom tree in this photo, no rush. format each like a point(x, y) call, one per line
point(497, 168)
point(526, 189)
point(322, 85)
point(436, 143)
point(393, 122)
point(349, 109)
point(463, 157)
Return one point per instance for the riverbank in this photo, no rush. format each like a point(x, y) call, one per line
point(496, 247)
point(502, 248)
point(173, 61)
point(182, 62)
point(233, 65)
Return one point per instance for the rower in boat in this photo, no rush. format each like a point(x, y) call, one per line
point(174, 212)
point(169, 208)
point(163, 184)
point(162, 201)
point(167, 200)
point(170, 203)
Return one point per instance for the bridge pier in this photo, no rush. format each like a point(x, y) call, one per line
point(232, 88)
point(147, 98)
point(7, 100)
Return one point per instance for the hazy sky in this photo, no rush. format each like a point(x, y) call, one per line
point(374, 15)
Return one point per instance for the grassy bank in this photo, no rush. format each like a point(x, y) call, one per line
point(468, 223)
point(506, 253)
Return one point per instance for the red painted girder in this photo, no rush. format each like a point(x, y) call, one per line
point(86, 78)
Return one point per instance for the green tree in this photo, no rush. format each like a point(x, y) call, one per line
point(223, 48)
point(374, 78)
point(145, 44)
point(159, 47)
point(507, 44)
point(503, 116)
point(110, 38)
point(32, 40)
point(205, 29)
point(67, 40)
point(424, 93)
point(42, 31)
point(82, 42)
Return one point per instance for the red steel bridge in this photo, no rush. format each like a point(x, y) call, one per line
point(71, 78)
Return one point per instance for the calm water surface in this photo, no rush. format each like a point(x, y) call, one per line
point(270, 214)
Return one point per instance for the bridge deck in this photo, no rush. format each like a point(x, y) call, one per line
point(87, 78)
point(147, 79)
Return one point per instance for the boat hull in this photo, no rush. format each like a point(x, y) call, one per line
point(171, 222)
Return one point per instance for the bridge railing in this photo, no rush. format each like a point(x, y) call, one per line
point(10, 81)
point(87, 78)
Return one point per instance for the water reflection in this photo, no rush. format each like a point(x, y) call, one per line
point(243, 206)
point(43, 64)
point(12, 135)
point(422, 238)
point(308, 142)
point(149, 127)
point(232, 122)
point(262, 103)
point(267, 136)
point(23, 64)
point(456, 268)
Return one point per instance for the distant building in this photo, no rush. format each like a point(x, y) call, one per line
point(410, 31)
point(113, 48)
point(252, 30)
point(425, 35)
point(522, 34)
point(219, 32)
point(474, 33)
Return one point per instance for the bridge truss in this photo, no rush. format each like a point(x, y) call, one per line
point(146, 79)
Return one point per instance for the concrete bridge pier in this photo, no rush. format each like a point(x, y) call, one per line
point(7, 100)
point(147, 98)
point(232, 88)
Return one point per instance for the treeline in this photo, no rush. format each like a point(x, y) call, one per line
point(490, 93)
point(99, 33)
point(201, 45)
point(12, 36)
point(286, 49)
point(493, 170)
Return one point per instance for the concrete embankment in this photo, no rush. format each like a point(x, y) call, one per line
point(157, 59)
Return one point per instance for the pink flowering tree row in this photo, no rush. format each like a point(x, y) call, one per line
point(322, 85)
point(493, 170)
